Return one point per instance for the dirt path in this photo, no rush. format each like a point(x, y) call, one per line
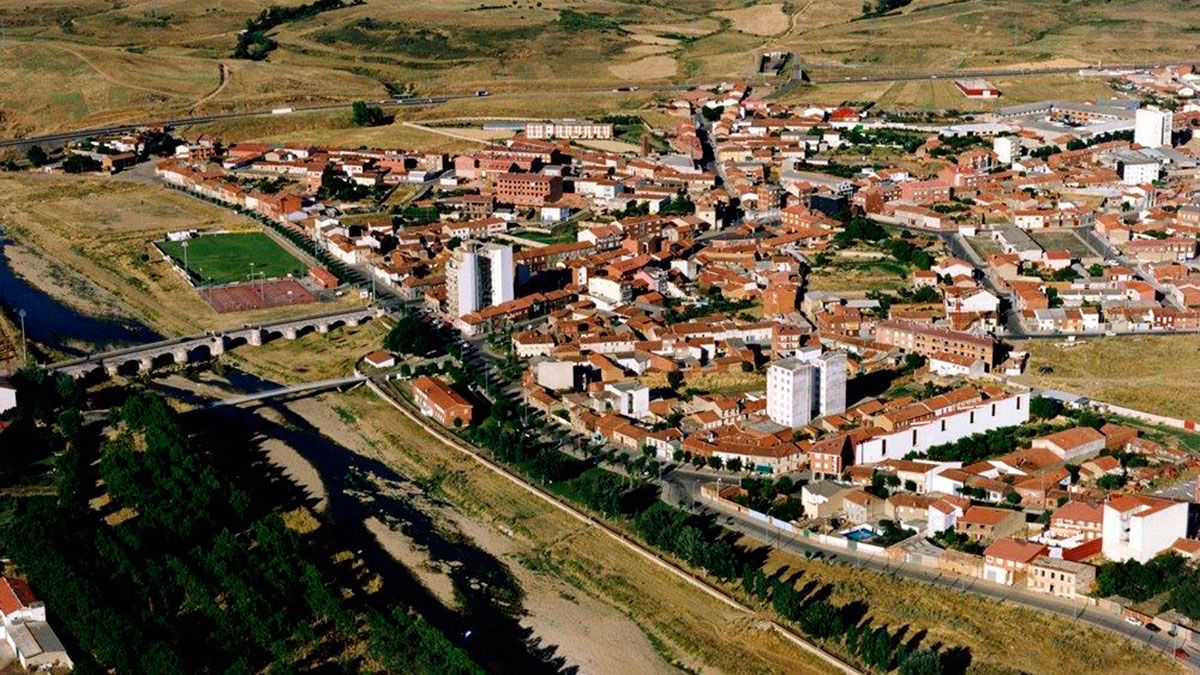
point(443, 132)
point(223, 76)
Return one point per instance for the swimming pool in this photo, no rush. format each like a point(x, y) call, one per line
point(859, 534)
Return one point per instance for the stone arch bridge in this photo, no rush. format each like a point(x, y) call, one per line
point(179, 351)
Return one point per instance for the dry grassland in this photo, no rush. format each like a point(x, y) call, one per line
point(1158, 374)
point(758, 19)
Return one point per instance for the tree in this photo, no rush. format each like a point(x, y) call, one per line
point(921, 662)
point(1045, 408)
point(734, 464)
point(1012, 497)
point(80, 164)
point(675, 379)
point(36, 155)
point(715, 462)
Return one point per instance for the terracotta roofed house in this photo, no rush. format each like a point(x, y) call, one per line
point(437, 400)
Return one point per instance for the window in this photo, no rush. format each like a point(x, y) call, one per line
point(1018, 403)
point(943, 425)
point(972, 417)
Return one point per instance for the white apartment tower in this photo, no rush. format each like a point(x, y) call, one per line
point(1152, 127)
point(478, 275)
point(805, 386)
point(789, 392)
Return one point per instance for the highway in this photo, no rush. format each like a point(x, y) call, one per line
point(995, 72)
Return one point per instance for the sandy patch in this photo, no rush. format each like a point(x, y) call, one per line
point(1052, 63)
point(647, 50)
point(68, 288)
point(758, 19)
point(649, 68)
point(297, 469)
point(556, 611)
point(414, 558)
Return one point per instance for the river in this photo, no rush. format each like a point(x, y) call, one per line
point(55, 325)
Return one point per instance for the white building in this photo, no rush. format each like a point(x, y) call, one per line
point(990, 414)
point(631, 398)
point(477, 276)
point(23, 627)
point(1139, 527)
point(8, 396)
point(608, 294)
point(789, 392)
point(810, 384)
point(1137, 169)
point(1007, 149)
point(569, 129)
point(1152, 127)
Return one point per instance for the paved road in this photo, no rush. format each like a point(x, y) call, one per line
point(685, 484)
point(995, 72)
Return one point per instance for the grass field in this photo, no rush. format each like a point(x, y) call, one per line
point(1158, 374)
point(233, 257)
point(75, 62)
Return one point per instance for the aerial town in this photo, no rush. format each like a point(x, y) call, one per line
point(807, 323)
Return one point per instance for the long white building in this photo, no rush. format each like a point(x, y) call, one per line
point(990, 414)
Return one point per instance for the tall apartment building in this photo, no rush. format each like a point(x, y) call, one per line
point(1152, 127)
point(570, 129)
point(805, 386)
point(478, 275)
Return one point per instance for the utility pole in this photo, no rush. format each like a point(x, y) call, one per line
point(24, 351)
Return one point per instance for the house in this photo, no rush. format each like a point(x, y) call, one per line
point(1071, 444)
point(985, 523)
point(943, 513)
point(861, 506)
point(1006, 560)
point(380, 359)
point(23, 627)
point(436, 399)
point(1117, 437)
point(1139, 527)
point(1097, 468)
point(1077, 519)
point(1063, 578)
point(822, 498)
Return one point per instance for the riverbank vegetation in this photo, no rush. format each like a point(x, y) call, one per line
point(179, 560)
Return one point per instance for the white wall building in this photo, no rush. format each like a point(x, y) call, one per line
point(991, 414)
point(1152, 127)
point(1007, 149)
point(632, 398)
point(1139, 527)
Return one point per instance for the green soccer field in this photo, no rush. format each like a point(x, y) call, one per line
point(226, 258)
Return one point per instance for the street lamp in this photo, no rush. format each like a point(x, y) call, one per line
point(24, 352)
